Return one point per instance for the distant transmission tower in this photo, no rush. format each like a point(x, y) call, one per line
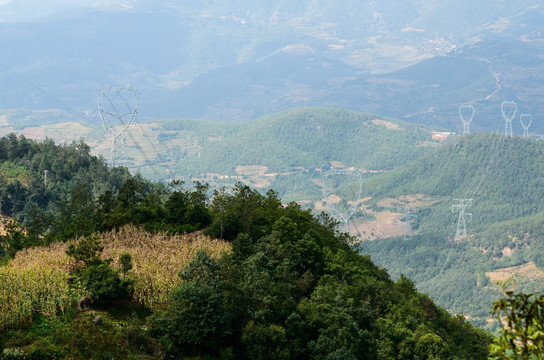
point(461, 226)
point(118, 109)
point(508, 109)
point(466, 113)
point(406, 222)
point(526, 120)
point(335, 212)
point(408, 217)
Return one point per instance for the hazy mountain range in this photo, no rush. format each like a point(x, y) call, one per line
point(236, 60)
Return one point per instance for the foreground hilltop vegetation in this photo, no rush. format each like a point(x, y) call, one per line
point(288, 286)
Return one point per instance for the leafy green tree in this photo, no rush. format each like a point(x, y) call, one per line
point(263, 342)
point(14, 240)
point(102, 283)
point(522, 319)
point(431, 347)
point(198, 320)
point(219, 205)
point(87, 250)
point(126, 263)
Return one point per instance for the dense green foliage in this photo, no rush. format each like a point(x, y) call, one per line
point(292, 287)
point(99, 281)
point(137, 202)
point(24, 184)
point(522, 318)
point(83, 195)
point(504, 177)
point(290, 141)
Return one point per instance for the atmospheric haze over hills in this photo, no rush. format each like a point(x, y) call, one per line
point(238, 60)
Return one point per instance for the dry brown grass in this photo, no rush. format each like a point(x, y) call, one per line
point(36, 280)
point(525, 271)
point(157, 259)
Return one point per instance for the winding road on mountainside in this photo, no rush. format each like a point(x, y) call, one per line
point(497, 79)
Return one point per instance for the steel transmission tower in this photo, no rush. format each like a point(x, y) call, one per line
point(508, 109)
point(406, 223)
point(461, 225)
point(466, 113)
point(327, 192)
point(118, 109)
point(526, 120)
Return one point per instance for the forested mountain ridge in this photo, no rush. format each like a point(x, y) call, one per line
point(281, 150)
point(290, 286)
point(503, 177)
point(298, 141)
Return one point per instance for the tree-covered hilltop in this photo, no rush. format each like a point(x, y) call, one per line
point(308, 138)
point(287, 146)
point(289, 287)
point(41, 174)
point(59, 192)
point(504, 177)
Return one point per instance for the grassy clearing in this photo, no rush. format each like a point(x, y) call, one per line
point(525, 271)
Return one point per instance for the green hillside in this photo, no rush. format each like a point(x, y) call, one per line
point(277, 283)
point(284, 151)
point(41, 174)
point(504, 177)
point(291, 144)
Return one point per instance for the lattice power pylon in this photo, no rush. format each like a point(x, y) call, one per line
point(118, 108)
point(407, 224)
point(327, 192)
point(526, 120)
point(508, 109)
point(461, 206)
point(466, 113)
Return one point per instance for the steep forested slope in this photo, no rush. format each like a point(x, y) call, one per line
point(504, 179)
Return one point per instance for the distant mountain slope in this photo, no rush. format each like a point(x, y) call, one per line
point(503, 176)
point(504, 179)
point(287, 150)
point(311, 138)
point(234, 60)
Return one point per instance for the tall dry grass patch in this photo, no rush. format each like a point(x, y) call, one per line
point(36, 280)
point(157, 259)
point(24, 292)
